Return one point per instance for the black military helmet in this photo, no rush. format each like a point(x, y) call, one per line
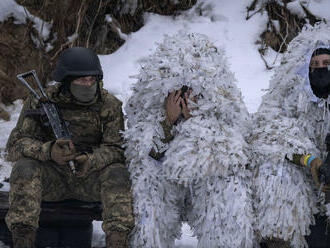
point(75, 62)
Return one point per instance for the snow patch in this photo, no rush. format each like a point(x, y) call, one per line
point(9, 8)
point(6, 127)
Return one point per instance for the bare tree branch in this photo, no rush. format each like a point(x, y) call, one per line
point(92, 25)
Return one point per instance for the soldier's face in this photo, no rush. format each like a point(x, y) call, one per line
point(320, 61)
point(85, 81)
point(84, 89)
point(319, 75)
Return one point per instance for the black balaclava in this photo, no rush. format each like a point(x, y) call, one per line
point(319, 78)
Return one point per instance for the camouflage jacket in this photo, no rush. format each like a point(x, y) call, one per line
point(167, 129)
point(95, 129)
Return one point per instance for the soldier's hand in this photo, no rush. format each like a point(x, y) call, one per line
point(172, 106)
point(315, 170)
point(315, 166)
point(80, 159)
point(62, 151)
point(83, 165)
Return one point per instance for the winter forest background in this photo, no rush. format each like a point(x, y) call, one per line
point(254, 34)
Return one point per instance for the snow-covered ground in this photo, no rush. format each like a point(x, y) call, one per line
point(221, 20)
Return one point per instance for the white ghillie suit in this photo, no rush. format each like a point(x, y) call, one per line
point(290, 120)
point(203, 174)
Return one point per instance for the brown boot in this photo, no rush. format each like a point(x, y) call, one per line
point(117, 239)
point(277, 243)
point(23, 236)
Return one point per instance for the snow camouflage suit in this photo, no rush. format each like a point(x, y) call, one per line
point(291, 120)
point(202, 177)
point(95, 130)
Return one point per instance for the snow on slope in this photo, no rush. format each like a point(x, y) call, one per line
point(9, 8)
point(5, 129)
point(224, 22)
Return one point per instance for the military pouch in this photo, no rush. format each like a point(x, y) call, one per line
point(38, 114)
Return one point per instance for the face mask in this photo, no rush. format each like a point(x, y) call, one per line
point(320, 81)
point(83, 93)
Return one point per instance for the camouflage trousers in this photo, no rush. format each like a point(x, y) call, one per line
point(32, 181)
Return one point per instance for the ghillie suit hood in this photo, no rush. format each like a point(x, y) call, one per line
point(291, 120)
point(208, 146)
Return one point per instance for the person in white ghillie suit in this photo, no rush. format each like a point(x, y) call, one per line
point(289, 139)
point(189, 161)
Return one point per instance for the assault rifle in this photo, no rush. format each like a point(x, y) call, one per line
point(59, 127)
point(325, 167)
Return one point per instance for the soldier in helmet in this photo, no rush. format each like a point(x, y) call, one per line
point(42, 170)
